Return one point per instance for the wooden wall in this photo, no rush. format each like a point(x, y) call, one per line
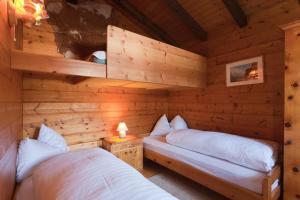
point(10, 110)
point(291, 112)
point(253, 110)
point(86, 112)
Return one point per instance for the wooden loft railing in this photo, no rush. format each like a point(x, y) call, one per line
point(56, 65)
point(131, 58)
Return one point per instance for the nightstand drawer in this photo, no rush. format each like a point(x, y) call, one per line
point(129, 149)
point(132, 156)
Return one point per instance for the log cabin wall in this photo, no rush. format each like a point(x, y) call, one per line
point(86, 111)
point(253, 110)
point(291, 112)
point(10, 110)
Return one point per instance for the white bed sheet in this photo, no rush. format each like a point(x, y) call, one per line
point(230, 172)
point(88, 174)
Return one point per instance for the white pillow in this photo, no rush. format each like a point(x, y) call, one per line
point(178, 123)
point(30, 154)
point(51, 137)
point(162, 127)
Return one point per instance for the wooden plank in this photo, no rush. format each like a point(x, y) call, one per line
point(187, 19)
point(236, 11)
point(85, 113)
point(10, 109)
point(142, 19)
point(55, 65)
point(291, 112)
point(137, 58)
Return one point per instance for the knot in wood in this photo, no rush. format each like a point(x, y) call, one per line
point(290, 97)
point(295, 84)
point(295, 169)
point(288, 142)
point(287, 124)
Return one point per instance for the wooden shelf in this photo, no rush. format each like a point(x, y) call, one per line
point(56, 65)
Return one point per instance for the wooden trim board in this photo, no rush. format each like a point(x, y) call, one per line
point(55, 65)
point(225, 188)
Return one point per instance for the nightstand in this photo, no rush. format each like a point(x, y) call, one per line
point(129, 149)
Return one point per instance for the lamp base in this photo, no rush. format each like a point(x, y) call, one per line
point(122, 134)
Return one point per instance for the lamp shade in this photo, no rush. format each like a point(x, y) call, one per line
point(122, 127)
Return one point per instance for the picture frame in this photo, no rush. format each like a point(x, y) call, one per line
point(245, 72)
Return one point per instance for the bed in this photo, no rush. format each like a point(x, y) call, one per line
point(87, 174)
point(231, 180)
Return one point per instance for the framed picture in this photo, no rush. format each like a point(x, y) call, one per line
point(245, 72)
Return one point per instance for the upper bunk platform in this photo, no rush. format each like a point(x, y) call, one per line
point(133, 60)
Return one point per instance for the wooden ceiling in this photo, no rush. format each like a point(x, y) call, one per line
point(180, 22)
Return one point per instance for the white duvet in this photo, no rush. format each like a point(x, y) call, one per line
point(92, 174)
point(255, 154)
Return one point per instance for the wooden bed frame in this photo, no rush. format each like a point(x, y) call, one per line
point(217, 184)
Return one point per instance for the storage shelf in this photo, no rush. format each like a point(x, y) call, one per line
point(56, 65)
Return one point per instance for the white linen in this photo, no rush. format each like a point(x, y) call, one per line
point(52, 138)
point(92, 174)
point(236, 174)
point(255, 154)
point(162, 127)
point(178, 123)
point(30, 154)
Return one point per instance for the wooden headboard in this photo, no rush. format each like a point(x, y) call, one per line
point(10, 110)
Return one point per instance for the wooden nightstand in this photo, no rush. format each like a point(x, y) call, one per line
point(129, 149)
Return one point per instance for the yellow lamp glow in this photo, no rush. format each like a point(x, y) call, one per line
point(30, 11)
point(122, 128)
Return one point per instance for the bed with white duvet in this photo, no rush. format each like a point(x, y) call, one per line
point(88, 174)
point(238, 160)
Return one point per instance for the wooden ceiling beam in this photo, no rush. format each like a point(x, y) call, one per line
point(187, 19)
point(142, 19)
point(237, 13)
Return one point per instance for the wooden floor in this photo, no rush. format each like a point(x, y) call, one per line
point(177, 185)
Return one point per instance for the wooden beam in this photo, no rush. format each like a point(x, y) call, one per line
point(187, 19)
point(55, 65)
point(236, 11)
point(142, 19)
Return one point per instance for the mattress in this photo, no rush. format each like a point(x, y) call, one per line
point(233, 173)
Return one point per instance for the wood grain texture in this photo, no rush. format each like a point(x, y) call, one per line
point(254, 111)
point(55, 65)
point(87, 112)
point(10, 110)
point(137, 58)
point(129, 149)
point(291, 113)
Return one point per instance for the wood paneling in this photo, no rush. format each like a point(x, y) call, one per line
point(137, 58)
point(291, 112)
point(86, 112)
point(55, 65)
point(10, 110)
point(253, 110)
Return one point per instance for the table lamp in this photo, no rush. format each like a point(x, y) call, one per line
point(122, 128)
